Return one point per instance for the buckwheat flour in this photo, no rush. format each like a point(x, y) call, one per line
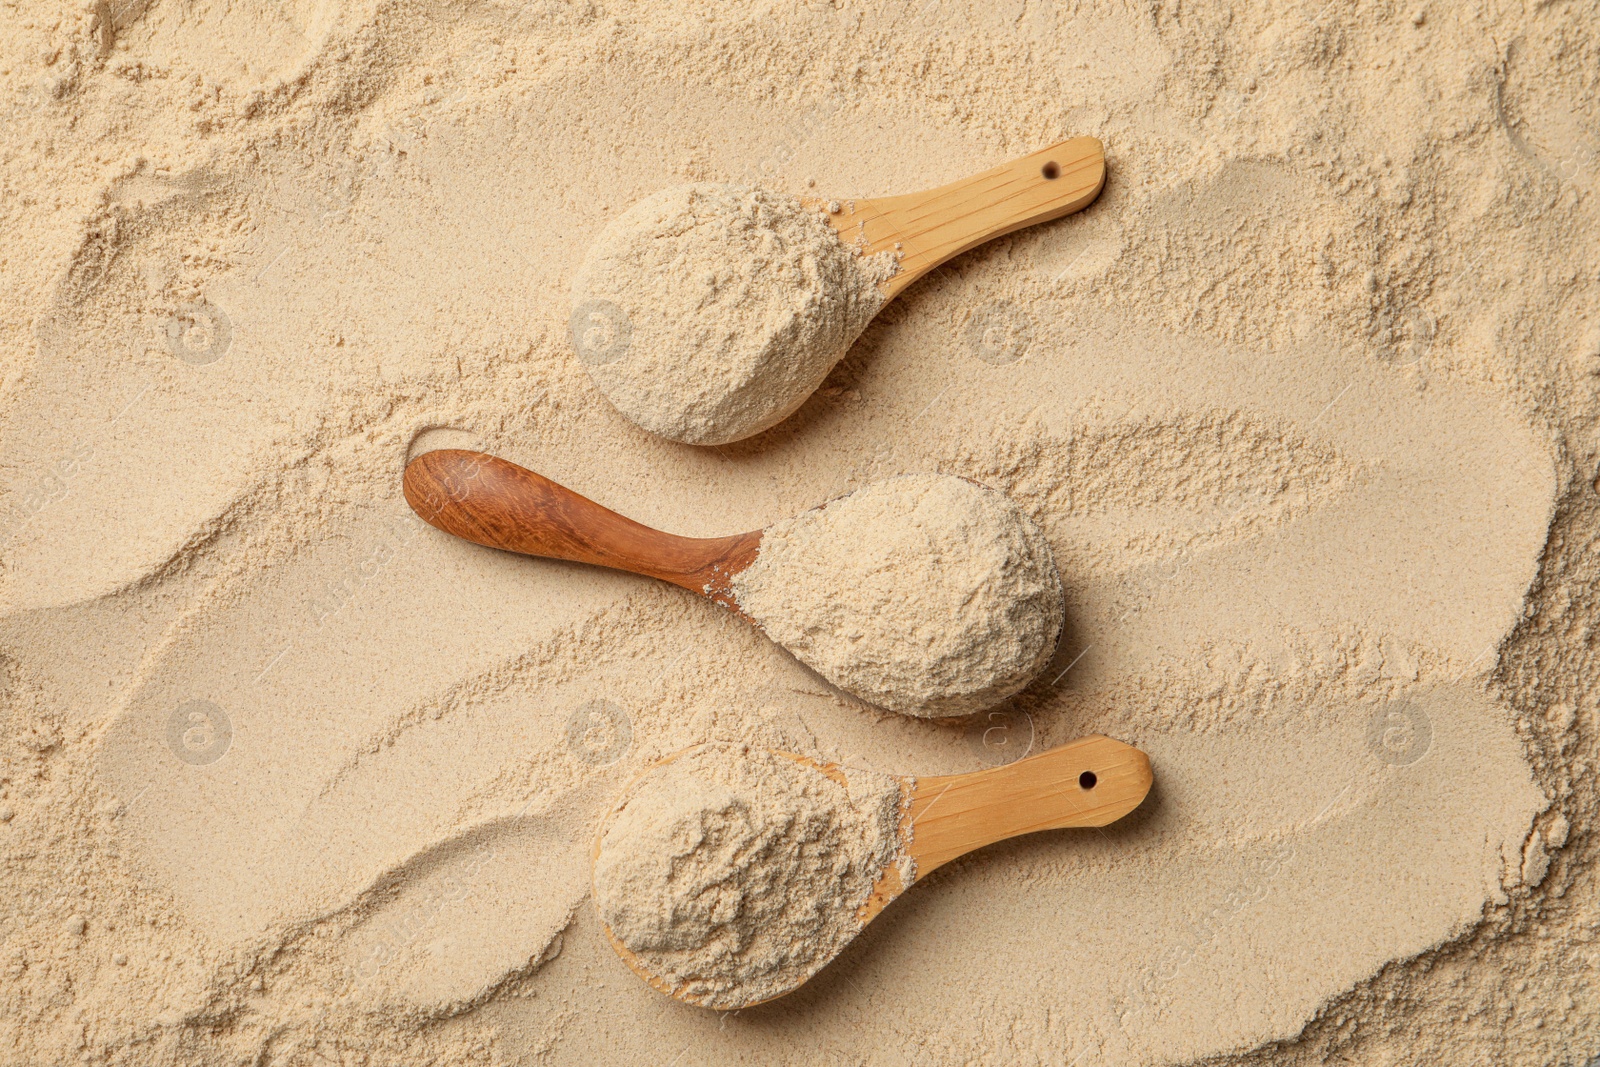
point(735, 873)
point(1307, 403)
point(707, 313)
point(923, 594)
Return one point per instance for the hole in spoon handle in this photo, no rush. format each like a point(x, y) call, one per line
point(1093, 781)
point(930, 227)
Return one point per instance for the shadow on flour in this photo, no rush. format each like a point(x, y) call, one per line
point(442, 931)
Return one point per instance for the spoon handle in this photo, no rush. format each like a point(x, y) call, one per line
point(930, 227)
point(494, 502)
point(1089, 782)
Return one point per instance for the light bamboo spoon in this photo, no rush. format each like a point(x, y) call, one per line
point(994, 652)
point(735, 345)
point(1090, 782)
point(928, 228)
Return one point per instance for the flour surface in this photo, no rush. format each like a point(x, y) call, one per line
point(923, 594)
point(1305, 404)
point(707, 313)
point(734, 873)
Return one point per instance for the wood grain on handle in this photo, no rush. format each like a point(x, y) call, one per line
point(952, 814)
point(494, 502)
point(928, 228)
point(956, 813)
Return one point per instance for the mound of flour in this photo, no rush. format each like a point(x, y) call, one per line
point(925, 594)
point(707, 313)
point(735, 873)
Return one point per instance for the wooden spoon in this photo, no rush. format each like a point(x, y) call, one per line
point(494, 502)
point(928, 228)
point(1092, 781)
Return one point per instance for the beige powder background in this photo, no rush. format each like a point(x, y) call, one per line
point(1305, 403)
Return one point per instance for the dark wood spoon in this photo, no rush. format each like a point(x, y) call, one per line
point(494, 502)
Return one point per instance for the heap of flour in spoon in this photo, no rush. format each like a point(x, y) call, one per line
point(925, 594)
point(734, 873)
point(707, 313)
